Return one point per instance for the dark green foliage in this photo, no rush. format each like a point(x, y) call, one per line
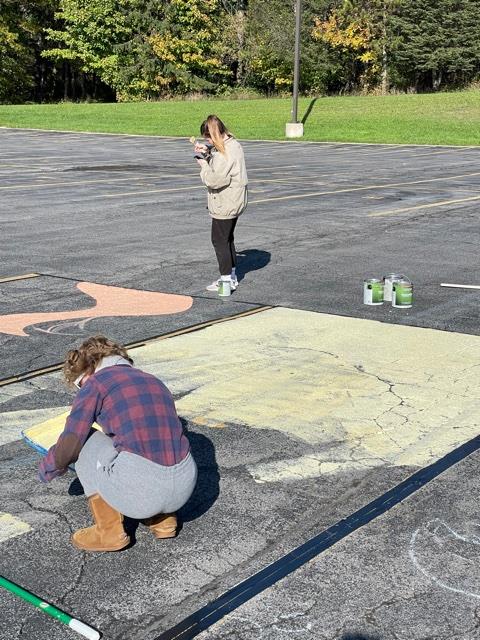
point(23, 73)
point(435, 44)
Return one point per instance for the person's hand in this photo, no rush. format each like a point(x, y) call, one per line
point(200, 161)
point(200, 148)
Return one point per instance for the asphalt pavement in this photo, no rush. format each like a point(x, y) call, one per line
point(302, 404)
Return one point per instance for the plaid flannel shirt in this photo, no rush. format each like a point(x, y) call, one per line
point(133, 408)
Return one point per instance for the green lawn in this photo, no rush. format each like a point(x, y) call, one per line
point(441, 118)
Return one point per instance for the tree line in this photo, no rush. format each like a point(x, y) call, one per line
point(150, 49)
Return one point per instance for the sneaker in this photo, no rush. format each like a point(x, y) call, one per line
point(214, 285)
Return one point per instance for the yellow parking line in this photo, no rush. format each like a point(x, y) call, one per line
point(432, 205)
point(366, 188)
point(141, 193)
point(442, 152)
point(22, 277)
point(188, 188)
point(287, 166)
point(100, 180)
point(10, 526)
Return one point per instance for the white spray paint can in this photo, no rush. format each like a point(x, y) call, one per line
point(388, 280)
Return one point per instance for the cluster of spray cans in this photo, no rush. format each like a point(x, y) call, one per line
point(394, 287)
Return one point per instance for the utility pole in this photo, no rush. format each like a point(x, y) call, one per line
point(294, 129)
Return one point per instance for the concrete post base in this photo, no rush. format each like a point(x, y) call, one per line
point(294, 129)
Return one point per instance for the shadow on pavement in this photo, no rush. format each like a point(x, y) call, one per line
point(251, 260)
point(208, 484)
point(205, 493)
point(359, 636)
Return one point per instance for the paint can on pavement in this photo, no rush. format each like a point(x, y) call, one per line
point(224, 288)
point(373, 291)
point(402, 294)
point(388, 281)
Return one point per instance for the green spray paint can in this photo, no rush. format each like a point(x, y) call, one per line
point(373, 291)
point(224, 288)
point(402, 294)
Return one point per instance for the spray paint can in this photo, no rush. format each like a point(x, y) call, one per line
point(402, 294)
point(373, 291)
point(224, 288)
point(388, 280)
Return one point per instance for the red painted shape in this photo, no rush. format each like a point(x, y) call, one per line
point(110, 302)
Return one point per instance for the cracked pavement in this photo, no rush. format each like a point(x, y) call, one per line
point(297, 416)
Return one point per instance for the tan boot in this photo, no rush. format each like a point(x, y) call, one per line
point(107, 534)
point(164, 525)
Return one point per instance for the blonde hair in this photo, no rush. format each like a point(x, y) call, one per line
point(214, 129)
point(86, 358)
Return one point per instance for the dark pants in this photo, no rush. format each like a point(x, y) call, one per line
point(223, 243)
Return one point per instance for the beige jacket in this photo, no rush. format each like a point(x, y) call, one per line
point(225, 177)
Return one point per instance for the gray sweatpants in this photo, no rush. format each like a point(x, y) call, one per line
point(131, 484)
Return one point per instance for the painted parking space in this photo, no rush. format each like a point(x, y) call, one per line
point(42, 317)
point(389, 395)
point(309, 416)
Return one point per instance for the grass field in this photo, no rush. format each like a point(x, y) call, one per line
point(441, 118)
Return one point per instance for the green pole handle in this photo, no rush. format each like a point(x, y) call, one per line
point(76, 625)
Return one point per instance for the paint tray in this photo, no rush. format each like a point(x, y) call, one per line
point(44, 435)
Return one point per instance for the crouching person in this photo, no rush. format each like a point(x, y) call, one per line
point(139, 465)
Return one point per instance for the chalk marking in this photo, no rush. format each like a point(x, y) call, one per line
point(473, 539)
point(444, 203)
point(12, 423)
point(10, 526)
point(310, 466)
point(59, 329)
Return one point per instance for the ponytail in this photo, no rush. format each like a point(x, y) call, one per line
point(214, 129)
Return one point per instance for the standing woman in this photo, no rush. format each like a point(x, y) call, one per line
point(139, 465)
point(224, 174)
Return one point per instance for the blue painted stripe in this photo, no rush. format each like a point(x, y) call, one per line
point(246, 590)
